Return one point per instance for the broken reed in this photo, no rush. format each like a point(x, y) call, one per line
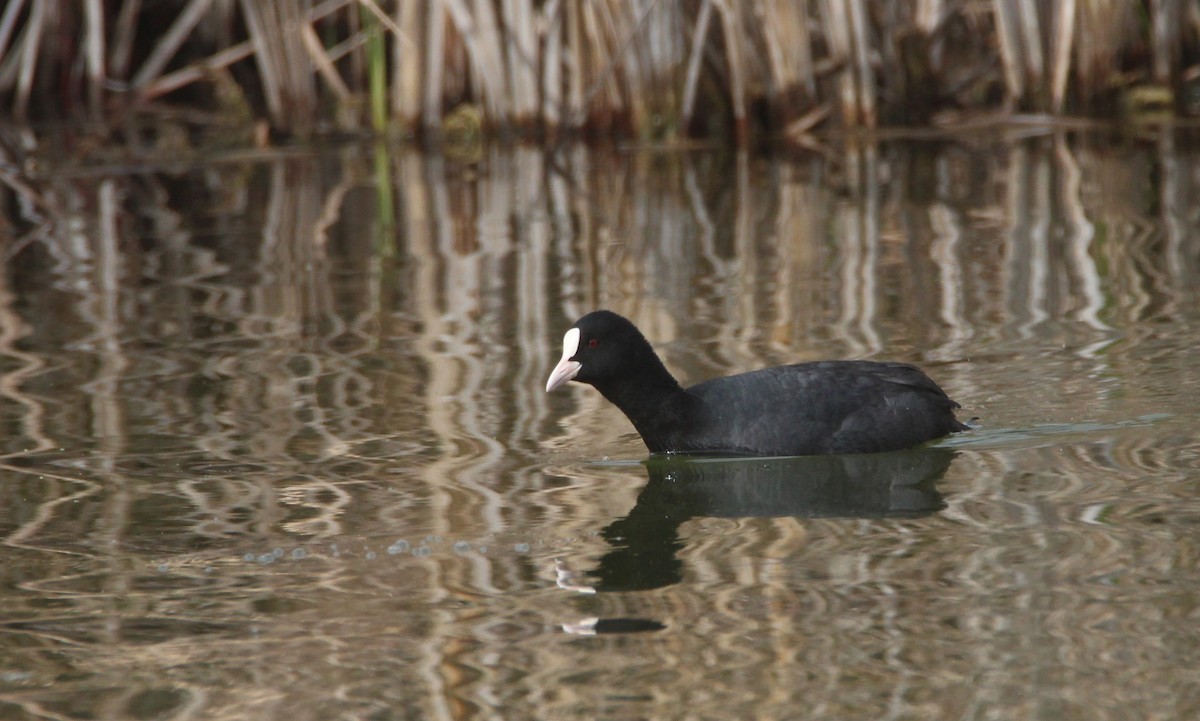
point(648, 69)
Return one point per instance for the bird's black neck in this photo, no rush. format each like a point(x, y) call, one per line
point(654, 402)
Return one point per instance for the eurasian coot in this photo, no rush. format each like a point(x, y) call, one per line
point(794, 410)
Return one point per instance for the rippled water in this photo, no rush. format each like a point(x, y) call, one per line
point(276, 443)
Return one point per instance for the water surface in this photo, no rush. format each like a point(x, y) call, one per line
point(276, 442)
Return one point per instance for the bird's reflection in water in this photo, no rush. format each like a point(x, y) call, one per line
point(646, 544)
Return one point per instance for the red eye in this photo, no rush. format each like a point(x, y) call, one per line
point(592, 343)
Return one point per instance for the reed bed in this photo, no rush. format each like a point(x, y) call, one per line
point(651, 70)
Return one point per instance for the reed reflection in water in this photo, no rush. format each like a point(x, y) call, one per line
point(277, 446)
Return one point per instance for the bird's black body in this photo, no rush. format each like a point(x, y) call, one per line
point(827, 407)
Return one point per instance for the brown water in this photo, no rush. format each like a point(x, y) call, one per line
point(276, 444)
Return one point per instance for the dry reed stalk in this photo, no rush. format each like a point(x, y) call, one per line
point(1166, 24)
point(406, 78)
point(28, 58)
point(865, 80)
point(737, 68)
point(481, 35)
point(692, 76)
point(522, 54)
point(377, 65)
point(1102, 27)
point(93, 29)
point(552, 60)
point(196, 71)
point(589, 44)
point(1060, 61)
point(597, 68)
point(1009, 36)
point(799, 129)
point(607, 91)
point(1030, 24)
point(170, 42)
point(1031, 83)
point(372, 7)
point(324, 63)
point(840, 37)
point(662, 52)
point(928, 20)
point(488, 60)
point(30, 196)
point(8, 22)
point(355, 47)
point(10, 63)
point(628, 64)
point(235, 53)
point(124, 31)
point(928, 15)
point(623, 35)
point(404, 44)
point(802, 52)
point(283, 62)
point(576, 80)
point(789, 48)
point(435, 38)
point(348, 48)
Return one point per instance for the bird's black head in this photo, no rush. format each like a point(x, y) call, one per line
point(602, 348)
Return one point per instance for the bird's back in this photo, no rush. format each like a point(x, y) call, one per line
point(822, 407)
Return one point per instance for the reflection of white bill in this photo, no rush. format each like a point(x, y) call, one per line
point(598, 626)
point(583, 627)
point(567, 579)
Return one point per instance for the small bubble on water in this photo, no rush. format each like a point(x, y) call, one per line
point(299, 553)
point(370, 555)
point(266, 558)
point(521, 547)
point(400, 546)
point(248, 557)
point(422, 551)
point(163, 568)
point(277, 553)
point(462, 547)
